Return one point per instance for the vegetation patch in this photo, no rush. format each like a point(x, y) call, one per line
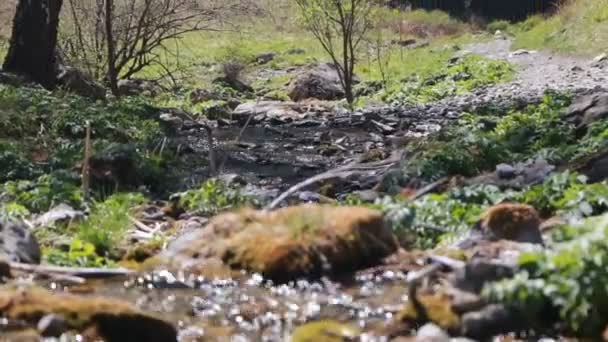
point(466, 74)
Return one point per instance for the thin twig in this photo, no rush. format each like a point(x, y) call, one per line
point(90, 273)
point(86, 172)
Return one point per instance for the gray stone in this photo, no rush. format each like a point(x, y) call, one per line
point(134, 86)
point(52, 325)
point(505, 171)
point(265, 57)
point(432, 333)
point(79, 83)
point(492, 320)
point(61, 213)
point(18, 244)
point(319, 82)
point(479, 272)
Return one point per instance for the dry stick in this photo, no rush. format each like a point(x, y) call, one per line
point(241, 132)
point(341, 172)
point(90, 273)
point(425, 190)
point(86, 172)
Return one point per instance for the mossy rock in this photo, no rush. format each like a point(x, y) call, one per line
point(325, 331)
point(112, 320)
point(437, 309)
point(289, 243)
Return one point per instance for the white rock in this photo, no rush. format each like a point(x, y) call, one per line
point(432, 333)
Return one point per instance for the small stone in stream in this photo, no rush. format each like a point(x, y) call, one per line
point(5, 271)
point(52, 325)
point(492, 320)
point(432, 333)
point(479, 272)
point(18, 244)
point(511, 221)
point(505, 171)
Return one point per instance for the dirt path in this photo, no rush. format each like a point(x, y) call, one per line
point(536, 72)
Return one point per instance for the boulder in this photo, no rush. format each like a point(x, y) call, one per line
point(512, 221)
point(108, 319)
point(318, 82)
point(587, 109)
point(79, 83)
point(135, 86)
point(18, 244)
point(515, 176)
point(286, 244)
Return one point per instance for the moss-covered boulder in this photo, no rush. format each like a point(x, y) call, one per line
point(300, 241)
point(109, 319)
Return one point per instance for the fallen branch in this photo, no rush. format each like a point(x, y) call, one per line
point(83, 272)
point(341, 172)
point(425, 190)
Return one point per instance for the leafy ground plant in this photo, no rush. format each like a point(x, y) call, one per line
point(469, 73)
point(567, 280)
point(214, 196)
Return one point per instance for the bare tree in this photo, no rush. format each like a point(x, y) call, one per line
point(34, 36)
point(116, 39)
point(340, 26)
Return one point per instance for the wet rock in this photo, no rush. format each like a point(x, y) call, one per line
point(600, 58)
point(79, 83)
point(595, 167)
point(479, 272)
point(505, 171)
point(493, 320)
point(113, 320)
point(52, 325)
point(325, 331)
point(516, 177)
point(294, 242)
point(432, 333)
point(588, 109)
point(511, 221)
point(132, 87)
point(318, 82)
point(5, 270)
point(435, 308)
point(59, 214)
point(18, 244)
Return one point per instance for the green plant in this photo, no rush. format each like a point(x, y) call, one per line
point(469, 73)
point(566, 283)
point(45, 192)
point(80, 254)
point(108, 222)
point(214, 196)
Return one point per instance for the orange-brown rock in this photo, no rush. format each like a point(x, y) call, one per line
point(512, 221)
point(300, 241)
point(113, 320)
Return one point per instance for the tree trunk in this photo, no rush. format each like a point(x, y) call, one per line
point(110, 43)
point(34, 37)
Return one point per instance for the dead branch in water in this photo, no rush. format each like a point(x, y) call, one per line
point(81, 272)
point(341, 172)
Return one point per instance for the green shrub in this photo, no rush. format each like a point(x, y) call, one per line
point(469, 73)
point(214, 196)
point(43, 193)
point(566, 283)
point(80, 254)
point(108, 222)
